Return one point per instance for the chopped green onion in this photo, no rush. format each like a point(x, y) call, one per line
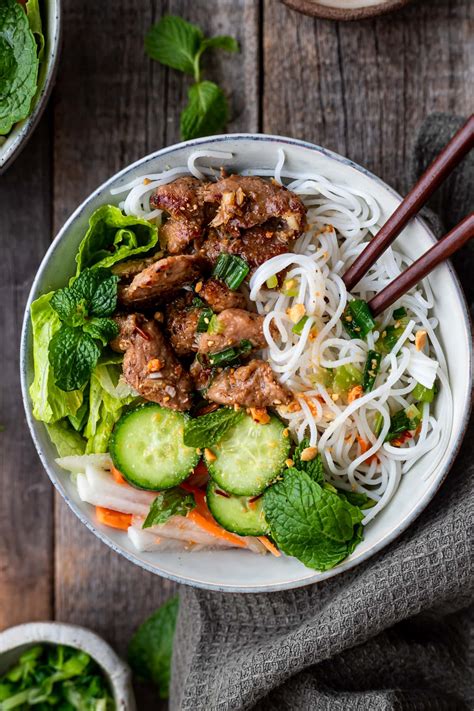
point(204, 320)
point(290, 287)
point(231, 354)
point(322, 376)
point(378, 423)
point(372, 366)
point(231, 269)
point(272, 282)
point(390, 335)
point(399, 313)
point(346, 377)
point(215, 326)
point(298, 327)
point(422, 394)
point(197, 303)
point(357, 319)
point(403, 421)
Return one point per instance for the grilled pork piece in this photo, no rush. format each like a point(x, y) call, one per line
point(256, 245)
point(251, 385)
point(232, 327)
point(161, 280)
point(244, 202)
point(219, 297)
point(150, 365)
point(181, 324)
point(181, 199)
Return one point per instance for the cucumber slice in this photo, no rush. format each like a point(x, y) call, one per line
point(235, 514)
point(147, 448)
point(249, 457)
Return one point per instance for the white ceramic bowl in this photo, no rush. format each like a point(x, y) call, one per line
point(22, 131)
point(16, 640)
point(235, 570)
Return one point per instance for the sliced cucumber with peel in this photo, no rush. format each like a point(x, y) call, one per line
point(249, 457)
point(238, 514)
point(147, 448)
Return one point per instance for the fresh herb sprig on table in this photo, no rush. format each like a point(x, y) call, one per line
point(180, 45)
point(48, 676)
point(84, 309)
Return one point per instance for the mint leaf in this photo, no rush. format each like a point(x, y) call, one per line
point(104, 329)
point(72, 354)
point(18, 65)
point(225, 42)
point(151, 647)
point(314, 467)
point(98, 288)
point(209, 429)
point(69, 306)
point(173, 502)
point(206, 112)
point(309, 522)
point(175, 43)
point(362, 501)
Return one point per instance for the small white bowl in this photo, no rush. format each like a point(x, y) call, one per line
point(236, 570)
point(22, 131)
point(16, 640)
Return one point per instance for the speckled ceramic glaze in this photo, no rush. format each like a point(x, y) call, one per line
point(22, 131)
point(16, 640)
point(237, 570)
point(345, 9)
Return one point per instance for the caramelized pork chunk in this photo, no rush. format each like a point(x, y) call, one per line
point(243, 202)
point(161, 280)
point(129, 269)
point(251, 385)
point(181, 324)
point(150, 365)
point(233, 326)
point(219, 297)
point(181, 199)
point(255, 245)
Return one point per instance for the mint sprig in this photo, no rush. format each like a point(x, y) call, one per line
point(172, 502)
point(180, 45)
point(83, 308)
point(209, 429)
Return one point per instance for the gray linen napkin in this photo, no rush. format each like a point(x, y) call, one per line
point(394, 633)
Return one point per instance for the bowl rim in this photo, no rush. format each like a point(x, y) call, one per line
point(115, 669)
point(312, 8)
point(32, 423)
point(25, 129)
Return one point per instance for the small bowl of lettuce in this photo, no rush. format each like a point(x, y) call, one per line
point(29, 52)
point(55, 665)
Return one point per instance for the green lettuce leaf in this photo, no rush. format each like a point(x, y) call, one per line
point(65, 438)
point(18, 65)
point(151, 647)
point(34, 19)
point(108, 396)
point(50, 404)
point(311, 523)
point(112, 237)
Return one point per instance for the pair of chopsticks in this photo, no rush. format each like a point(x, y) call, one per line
point(452, 154)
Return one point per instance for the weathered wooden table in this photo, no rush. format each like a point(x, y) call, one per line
point(361, 89)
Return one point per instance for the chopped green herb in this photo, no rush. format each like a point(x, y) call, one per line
point(231, 269)
point(197, 303)
point(272, 282)
point(207, 430)
point(298, 327)
point(230, 355)
point(372, 366)
point(346, 377)
point(390, 335)
point(403, 421)
point(357, 319)
point(399, 313)
point(378, 423)
point(172, 502)
point(215, 326)
point(422, 394)
point(204, 320)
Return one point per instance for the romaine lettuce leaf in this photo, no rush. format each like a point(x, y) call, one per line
point(108, 395)
point(18, 65)
point(112, 237)
point(67, 441)
point(34, 18)
point(50, 404)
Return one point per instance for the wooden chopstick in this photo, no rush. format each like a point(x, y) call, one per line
point(443, 249)
point(446, 161)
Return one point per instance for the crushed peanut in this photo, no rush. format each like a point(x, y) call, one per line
point(335, 397)
point(146, 181)
point(355, 393)
point(289, 462)
point(286, 432)
point(308, 454)
point(209, 454)
point(198, 287)
point(420, 340)
point(259, 415)
point(293, 406)
point(296, 312)
point(154, 365)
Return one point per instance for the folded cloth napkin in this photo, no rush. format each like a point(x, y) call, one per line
point(393, 633)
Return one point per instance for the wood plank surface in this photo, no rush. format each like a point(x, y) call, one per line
point(361, 89)
point(26, 499)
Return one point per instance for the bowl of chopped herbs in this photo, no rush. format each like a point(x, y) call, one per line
point(30, 33)
point(54, 665)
